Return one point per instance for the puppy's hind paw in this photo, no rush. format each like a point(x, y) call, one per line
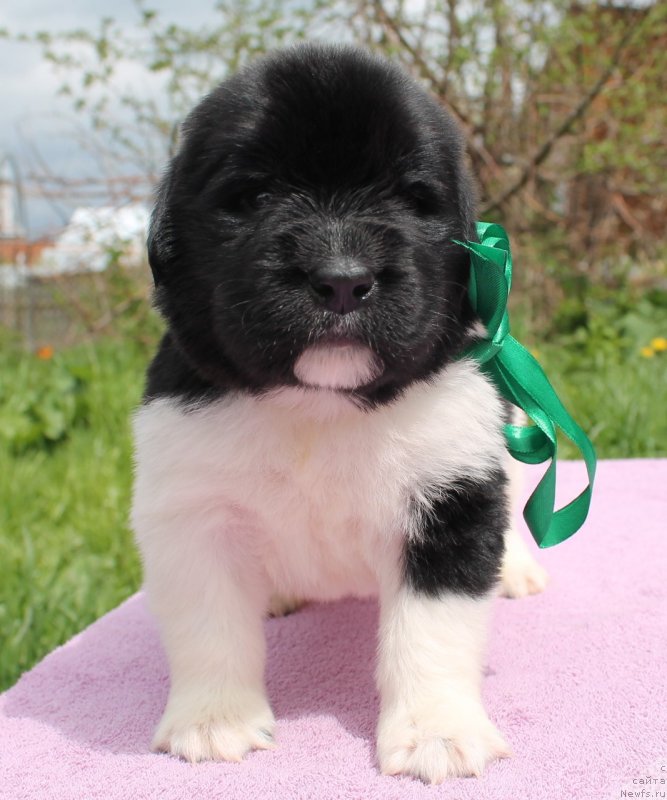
point(282, 605)
point(521, 575)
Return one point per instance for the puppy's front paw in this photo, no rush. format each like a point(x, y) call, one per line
point(521, 575)
point(214, 734)
point(436, 744)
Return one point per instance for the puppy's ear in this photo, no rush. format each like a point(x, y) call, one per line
point(161, 233)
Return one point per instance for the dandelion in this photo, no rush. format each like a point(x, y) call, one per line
point(45, 352)
point(659, 344)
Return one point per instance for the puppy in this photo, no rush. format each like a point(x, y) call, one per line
point(310, 428)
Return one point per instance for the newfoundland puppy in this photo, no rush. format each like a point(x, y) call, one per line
point(311, 428)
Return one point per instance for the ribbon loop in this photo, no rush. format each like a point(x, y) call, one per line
point(522, 381)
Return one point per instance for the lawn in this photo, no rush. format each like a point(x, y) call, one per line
point(65, 549)
point(65, 462)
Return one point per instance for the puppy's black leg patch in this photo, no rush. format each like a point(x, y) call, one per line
point(458, 540)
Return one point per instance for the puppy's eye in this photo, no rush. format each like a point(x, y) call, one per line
point(244, 201)
point(254, 200)
point(423, 198)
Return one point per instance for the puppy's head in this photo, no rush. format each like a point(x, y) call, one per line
point(302, 234)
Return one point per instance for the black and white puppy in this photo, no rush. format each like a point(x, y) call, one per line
point(309, 429)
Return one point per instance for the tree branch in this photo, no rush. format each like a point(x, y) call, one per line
point(389, 23)
point(543, 151)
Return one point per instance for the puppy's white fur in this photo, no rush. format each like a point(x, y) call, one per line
point(301, 493)
point(337, 367)
point(432, 723)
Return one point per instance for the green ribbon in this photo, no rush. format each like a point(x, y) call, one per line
point(521, 380)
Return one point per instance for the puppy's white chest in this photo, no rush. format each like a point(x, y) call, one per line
point(324, 496)
point(318, 531)
point(315, 493)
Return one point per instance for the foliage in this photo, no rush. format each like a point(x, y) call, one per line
point(65, 549)
point(42, 404)
point(606, 355)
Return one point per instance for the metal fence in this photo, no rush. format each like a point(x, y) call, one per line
point(60, 310)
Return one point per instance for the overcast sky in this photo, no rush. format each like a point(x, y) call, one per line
point(28, 85)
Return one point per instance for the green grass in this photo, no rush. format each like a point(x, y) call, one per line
point(595, 356)
point(66, 553)
point(621, 405)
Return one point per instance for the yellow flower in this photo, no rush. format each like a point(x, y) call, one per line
point(659, 344)
point(45, 352)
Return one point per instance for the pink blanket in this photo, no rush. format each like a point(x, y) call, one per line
point(576, 680)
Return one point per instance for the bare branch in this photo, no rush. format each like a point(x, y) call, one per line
point(543, 151)
point(425, 70)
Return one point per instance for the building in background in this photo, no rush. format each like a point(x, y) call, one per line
point(60, 290)
point(15, 248)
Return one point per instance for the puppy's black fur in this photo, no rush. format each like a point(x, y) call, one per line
point(307, 156)
point(462, 539)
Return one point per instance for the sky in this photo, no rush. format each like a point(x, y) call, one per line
point(28, 86)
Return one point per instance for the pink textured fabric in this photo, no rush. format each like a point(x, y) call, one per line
point(575, 680)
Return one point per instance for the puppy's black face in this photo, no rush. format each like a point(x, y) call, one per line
point(307, 222)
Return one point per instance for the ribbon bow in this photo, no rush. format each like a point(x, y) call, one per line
point(521, 380)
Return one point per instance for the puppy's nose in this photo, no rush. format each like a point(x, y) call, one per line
point(341, 285)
